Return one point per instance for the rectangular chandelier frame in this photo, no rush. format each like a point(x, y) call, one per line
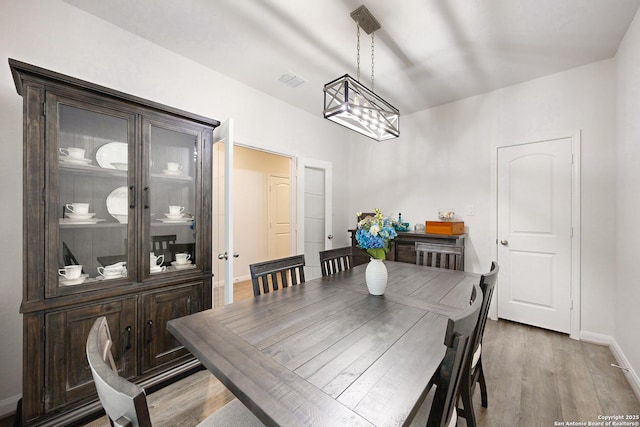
point(353, 105)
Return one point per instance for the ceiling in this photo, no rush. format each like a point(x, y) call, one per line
point(427, 52)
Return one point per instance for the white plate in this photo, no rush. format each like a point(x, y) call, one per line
point(182, 266)
point(112, 152)
point(118, 202)
point(75, 160)
point(88, 221)
point(173, 173)
point(174, 216)
point(79, 217)
point(70, 282)
point(175, 221)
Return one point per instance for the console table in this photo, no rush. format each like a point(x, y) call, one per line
point(403, 246)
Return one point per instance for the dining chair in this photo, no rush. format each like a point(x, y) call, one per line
point(162, 246)
point(125, 403)
point(473, 372)
point(277, 272)
point(450, 257)
point(335, 260)
point(448, 377)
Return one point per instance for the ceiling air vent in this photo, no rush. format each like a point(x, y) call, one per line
point(291, 79)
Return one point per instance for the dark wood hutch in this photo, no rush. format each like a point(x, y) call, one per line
point(122, 163)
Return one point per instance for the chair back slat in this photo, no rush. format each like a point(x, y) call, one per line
point(273, 274)
point(335, 260)
point(447, 380)
point(450, 257)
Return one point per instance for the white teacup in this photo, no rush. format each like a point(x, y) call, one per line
point(155, 260)
point(182, 258)
point(78, 208)
point(70, 271)
point(113, 270)
point(176, 210)
point(174, 167)
point(73, 152)
point(158, 269)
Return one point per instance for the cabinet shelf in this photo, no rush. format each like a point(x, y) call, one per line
point(91, 170)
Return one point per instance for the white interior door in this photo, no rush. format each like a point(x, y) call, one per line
point(223, 253)
point(534, 233)
point(279, 216)
point(314, 212)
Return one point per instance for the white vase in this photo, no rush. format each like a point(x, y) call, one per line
point(376, 276)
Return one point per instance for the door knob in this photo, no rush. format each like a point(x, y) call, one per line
point(223, 256)
point(236, 254)
point(330, 236)
point(504, 242)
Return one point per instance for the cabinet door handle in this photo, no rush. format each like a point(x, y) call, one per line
point(149, 330)
point(132, 197)
point(127, 344)
point(146, 197)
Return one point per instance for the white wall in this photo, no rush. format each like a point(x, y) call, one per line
point(445, 158)
point(627, 284)
point(54, 35)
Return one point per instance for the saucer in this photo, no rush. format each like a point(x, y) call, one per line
point(112, 276)
point(174, 216)
point(178, 266)
point(79, 216)
point(157, 269)
point(174, 173)
point(75, 160)
point(70, 282)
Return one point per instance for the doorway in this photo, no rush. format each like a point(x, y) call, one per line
point(537, 239)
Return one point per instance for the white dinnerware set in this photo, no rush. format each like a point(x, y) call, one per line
point(71, 275)
point(173, 168)
point(78, 213)
point(175, 215)
point(74, 155)
point(155, 263)
point(183, 260)
point(113, 271)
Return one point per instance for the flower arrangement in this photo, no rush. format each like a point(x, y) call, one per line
point(374, 233)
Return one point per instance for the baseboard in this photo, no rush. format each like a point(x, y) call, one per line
point(632, 375)
point(8, 405)
point(621, 359)
point(220, 284)
point(593, 338)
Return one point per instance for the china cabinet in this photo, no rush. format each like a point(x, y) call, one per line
point(117, 204)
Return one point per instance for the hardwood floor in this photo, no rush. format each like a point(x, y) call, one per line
point(534, 378)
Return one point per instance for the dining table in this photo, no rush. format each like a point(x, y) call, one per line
point(328, 353)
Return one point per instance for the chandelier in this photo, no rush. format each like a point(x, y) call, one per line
point(353, 105)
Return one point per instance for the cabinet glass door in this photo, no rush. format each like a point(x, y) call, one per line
point(89, 215)
point(171, 197)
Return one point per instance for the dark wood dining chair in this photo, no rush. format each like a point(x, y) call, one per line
point(273, 274)
point(473, 372)
point(447, 379)
point(125, 403)
point(450, 257)
point(335, 260)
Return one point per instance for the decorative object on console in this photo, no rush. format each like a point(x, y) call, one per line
point(351, 104)
point(374, 235)
point(444, 227)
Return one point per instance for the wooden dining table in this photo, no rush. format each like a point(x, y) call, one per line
point(326, 352)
